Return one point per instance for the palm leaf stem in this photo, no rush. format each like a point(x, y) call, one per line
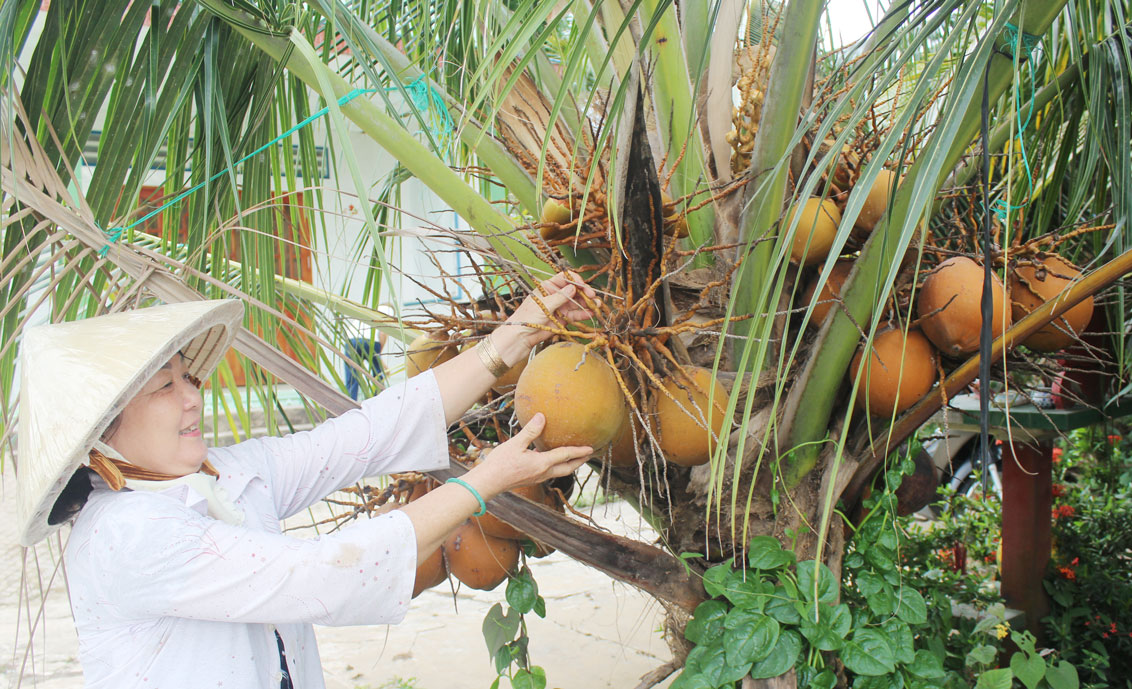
point(473, 134)
point(622, 50)
point(479, 213)
point(232, 269)
point(1058, 87)
point(776, 130)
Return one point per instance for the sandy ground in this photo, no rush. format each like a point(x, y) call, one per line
point(597, 633)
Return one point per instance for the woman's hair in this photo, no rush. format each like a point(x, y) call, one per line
point(73, 497)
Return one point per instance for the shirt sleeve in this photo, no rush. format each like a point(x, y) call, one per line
point(401, 429)
point(156, 558)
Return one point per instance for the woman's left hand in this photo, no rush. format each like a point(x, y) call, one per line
point(555, 300)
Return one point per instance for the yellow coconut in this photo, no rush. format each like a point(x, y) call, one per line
point(432, 570)
point(876, 203)
point(682, 422)
point(430, 573)
point(622, 451)
point(847, 163)
point(898, 374)
point(427, 351)
point(830, 291)
point(558, 213)
point(1033, 285)
point(494, 526)
point(817, 228)
point(578, 393)
point(480, 561)
point(950, 304)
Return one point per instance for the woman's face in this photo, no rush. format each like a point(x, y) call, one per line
point(159, 429)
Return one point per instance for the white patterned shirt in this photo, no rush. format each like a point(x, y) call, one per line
point(165, 597)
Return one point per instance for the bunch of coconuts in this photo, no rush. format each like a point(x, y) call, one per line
point(483, 551)
point(557, 220)
point(579, 394)
point(584, 404)
point(902, 366)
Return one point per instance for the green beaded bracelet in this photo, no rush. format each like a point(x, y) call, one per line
point(483, 505)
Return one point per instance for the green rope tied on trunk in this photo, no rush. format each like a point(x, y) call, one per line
point(1013, 41)
point(426, 98)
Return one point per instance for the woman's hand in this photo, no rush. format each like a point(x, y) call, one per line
point(513, 464)
point(466, 379)
point(510, 465)
point(555, 300)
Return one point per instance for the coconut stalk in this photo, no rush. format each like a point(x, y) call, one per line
point(816, 390)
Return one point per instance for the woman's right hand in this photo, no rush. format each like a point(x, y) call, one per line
point(513, 463)
point(510, 465)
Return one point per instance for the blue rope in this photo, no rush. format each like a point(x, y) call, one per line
point(421, 92)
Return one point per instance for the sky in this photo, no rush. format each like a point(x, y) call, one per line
point(849, 19)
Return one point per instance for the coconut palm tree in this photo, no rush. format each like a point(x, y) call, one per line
point(666, 151)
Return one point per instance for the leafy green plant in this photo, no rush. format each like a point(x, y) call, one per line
point(1090, 578)
point(773, 614)
point(889, 623)
point(506, 633)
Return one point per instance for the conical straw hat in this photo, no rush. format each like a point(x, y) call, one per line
point(77, 377)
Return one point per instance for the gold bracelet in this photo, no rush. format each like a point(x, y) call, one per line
point(490, 358)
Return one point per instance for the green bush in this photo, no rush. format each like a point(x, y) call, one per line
point(1090, 577)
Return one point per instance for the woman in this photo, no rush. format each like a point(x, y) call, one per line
point(177, 570)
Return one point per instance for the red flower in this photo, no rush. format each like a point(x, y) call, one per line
point(1058, 490)
point(1075, 561)
point(1113, 439)
point(1063, 511)
point(1056, 454)
point(1112, 628)
point(1068, 573)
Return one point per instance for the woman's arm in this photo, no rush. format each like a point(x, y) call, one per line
point(464, 379)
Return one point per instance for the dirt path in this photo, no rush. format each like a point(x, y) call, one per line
point(597, 633)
